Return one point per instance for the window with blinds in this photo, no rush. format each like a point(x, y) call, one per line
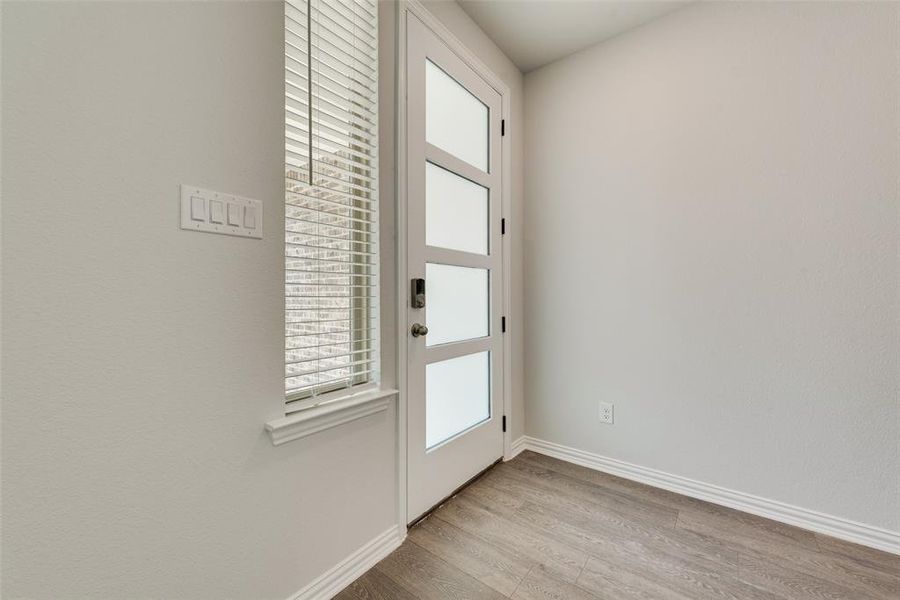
point(331, 197)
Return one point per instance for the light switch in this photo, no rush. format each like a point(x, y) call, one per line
point(216, 211)
point(234, 214)
point(198, 208)
point(219, 212)
point(250, 217)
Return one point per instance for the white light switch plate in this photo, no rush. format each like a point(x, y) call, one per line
point(217, 212)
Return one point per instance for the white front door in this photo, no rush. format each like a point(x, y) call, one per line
point(454, 379)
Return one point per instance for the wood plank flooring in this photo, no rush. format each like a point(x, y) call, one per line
point(537, 528)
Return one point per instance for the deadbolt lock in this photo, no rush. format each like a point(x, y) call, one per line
point(417, 293)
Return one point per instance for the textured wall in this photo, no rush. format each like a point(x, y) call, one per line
point(712, 227)
point(140, 361)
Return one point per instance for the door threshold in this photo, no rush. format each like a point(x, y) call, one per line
point(470, 481)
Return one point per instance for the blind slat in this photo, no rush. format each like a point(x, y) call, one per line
point(326, 55)
point(293, 235)
point(299, 351)
point(342, 131)
point(301, 335)
point(351, 158)
point(295, 84)
point(297, 106)
point(323, 383)
point(291, 370)
point(345, 221)
point(296, 199)
point(340, 89)
point(299, 220)
point(347, 20)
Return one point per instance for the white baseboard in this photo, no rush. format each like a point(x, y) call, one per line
point(516, 447)
point(851, 531)
point(351, 568)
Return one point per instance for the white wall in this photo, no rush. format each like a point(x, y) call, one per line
point(141, 361)
point(712, 227)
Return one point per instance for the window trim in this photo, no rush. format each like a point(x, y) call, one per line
point(338, 411)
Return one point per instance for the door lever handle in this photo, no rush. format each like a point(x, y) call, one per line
point(418, 329)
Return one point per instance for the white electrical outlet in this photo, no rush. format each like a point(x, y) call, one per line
point(606, 412)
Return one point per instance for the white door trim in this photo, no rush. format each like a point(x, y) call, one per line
point(457, 47)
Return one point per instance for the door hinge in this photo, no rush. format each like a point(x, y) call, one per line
point(502, 226)
point(503, 324)
point(504, 423)
point(502, 127)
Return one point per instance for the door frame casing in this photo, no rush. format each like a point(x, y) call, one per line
point(416, 9)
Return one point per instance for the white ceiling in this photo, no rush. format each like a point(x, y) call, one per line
point(533, 33)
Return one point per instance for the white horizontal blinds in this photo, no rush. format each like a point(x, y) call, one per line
point(331, 251)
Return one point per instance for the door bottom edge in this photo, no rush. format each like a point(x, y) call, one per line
point(441, 502)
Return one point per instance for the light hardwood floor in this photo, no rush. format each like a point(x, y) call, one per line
point(537, 528)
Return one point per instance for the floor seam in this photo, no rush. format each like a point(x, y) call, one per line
point(396, 582)
point(518, 585)
point(587, 558)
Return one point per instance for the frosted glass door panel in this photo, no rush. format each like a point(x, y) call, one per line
point(457, 396)
point(456, 211)
point(457, 305)
point(455, 120)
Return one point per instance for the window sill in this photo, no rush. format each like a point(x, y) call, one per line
point(325, 416)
